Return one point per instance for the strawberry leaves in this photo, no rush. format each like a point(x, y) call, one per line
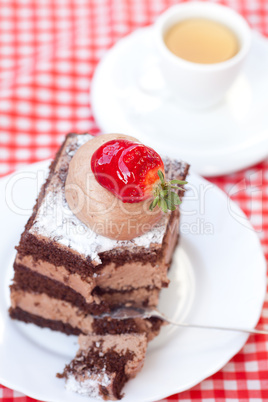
point(164, 196)
point(161, 176)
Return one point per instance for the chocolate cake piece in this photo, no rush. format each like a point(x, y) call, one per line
point(104, 364)
point(65, 273)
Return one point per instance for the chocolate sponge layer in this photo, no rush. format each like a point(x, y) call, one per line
point(21, 315)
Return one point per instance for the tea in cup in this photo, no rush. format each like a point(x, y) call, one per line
point(201, 48)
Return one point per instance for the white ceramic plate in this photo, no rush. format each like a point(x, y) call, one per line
point(218, 277)
point(129, 96)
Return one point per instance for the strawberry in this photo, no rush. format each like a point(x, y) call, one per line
point(134, 172)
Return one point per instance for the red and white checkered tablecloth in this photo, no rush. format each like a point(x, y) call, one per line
point(48, 52)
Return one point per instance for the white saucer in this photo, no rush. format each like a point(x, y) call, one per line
point(218, 277)
point(129, 96)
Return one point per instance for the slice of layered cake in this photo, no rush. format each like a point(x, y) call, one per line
point(93, 244)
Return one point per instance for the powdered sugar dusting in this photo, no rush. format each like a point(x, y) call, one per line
point(79, 141)
point(89, 386)
point(56, 221)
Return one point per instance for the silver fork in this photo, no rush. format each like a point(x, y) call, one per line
point(123, 313)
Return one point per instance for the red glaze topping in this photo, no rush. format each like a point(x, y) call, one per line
point(127, 169)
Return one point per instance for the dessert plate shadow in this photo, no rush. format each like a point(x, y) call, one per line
point(218, 277)
point(129, 95)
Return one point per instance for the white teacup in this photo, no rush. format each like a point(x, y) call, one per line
point(201, 85)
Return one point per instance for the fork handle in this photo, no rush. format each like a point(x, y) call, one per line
point(199, 326)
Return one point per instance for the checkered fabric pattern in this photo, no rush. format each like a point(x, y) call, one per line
point(48, 52)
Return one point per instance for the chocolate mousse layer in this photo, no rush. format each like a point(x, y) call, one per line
point(104, 364)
